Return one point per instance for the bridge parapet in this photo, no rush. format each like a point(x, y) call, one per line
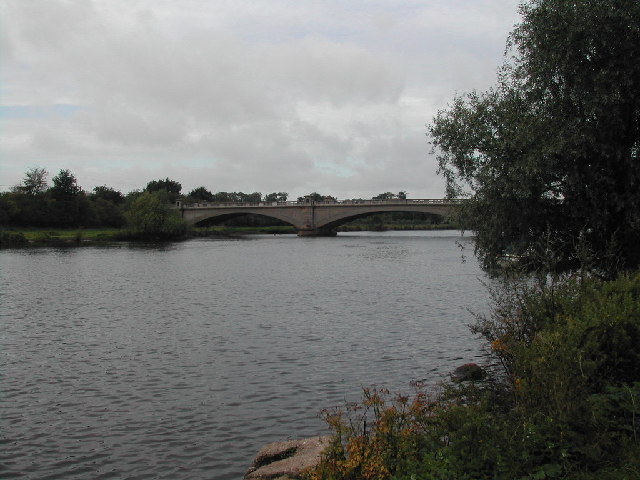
point(419, 201)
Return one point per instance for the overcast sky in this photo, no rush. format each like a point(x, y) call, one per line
point(263, 95)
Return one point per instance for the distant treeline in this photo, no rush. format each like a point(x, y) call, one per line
point(62, 203)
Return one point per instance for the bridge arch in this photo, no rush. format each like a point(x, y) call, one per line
point(333, 224)
point(331, 219)
point(220, 216)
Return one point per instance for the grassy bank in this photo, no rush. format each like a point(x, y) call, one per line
point(10, 238)
point(44, 236)
point(74, 236)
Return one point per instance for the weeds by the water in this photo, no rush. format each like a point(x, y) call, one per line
point(565, 405)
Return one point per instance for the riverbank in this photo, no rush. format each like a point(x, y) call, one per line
point(24, 237)
point(77, 237)
point(562, 404)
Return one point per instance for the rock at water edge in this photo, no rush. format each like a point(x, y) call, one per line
point(289, 459)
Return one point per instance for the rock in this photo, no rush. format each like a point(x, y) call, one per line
point(467, 372)
point(287, 460)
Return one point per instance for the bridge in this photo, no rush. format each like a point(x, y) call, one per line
point(314, 218)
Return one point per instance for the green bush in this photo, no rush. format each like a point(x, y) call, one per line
point(150, 215)
point(12, 239)
point(566, 403)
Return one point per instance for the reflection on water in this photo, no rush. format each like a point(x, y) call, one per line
point(181, 361)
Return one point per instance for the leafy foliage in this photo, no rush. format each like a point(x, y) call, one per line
point(108, 194)
point(201, 194)
point(166, 185)
point(276, 197)
point(566, 404)
point(171, 187)
point(65, 186)
point(402, 195)
point(552, 152)
point(150, 215)
point(12, 239)
point(35, 181)
point(316, 197)
point(65, 205)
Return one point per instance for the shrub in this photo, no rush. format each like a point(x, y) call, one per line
point(150, 215)
point(12, 239)
point(566, 403)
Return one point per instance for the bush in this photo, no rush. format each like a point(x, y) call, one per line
point(150, 215)
point(566, 403)
point(12, 239)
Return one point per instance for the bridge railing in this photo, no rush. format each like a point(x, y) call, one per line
point(395, 201)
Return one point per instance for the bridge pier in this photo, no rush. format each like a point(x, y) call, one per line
point(309, 231)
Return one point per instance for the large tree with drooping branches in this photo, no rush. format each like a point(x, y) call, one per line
point(550, 157)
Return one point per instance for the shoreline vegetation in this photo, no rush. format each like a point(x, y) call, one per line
point(34, 237)
point(562, 401)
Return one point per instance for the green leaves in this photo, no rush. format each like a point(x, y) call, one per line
point(566, 406)
point(65, 186)
point(151, 215)
point(35, 181)
point(552, 152)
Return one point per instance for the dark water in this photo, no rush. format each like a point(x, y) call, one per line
point(181, 361)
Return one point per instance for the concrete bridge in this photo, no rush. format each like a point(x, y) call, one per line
point(311, 218)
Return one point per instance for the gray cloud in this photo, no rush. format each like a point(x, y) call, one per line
point(248, 95)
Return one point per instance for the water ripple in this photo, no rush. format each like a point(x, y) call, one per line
point(181, 362)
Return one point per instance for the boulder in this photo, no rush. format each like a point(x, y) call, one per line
point(468, 372)
point(287, 460)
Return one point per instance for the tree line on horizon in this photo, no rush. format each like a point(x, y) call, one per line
point(62, 203)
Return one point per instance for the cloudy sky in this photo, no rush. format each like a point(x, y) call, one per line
point(240, 95)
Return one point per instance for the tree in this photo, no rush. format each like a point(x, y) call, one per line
point(166, 185)
point(9, 207)
point(70, 206)
point(276, 197)
point(385, 196)
point(172, 187)
point(35, 181)
point(223, 197)
point(109, 194)
point(312, 197)
point(65, 186)
point(549, 158)
point(402, 195)
point(107, 206)
point(255, 197)
point(201, 194)
point(151, 215)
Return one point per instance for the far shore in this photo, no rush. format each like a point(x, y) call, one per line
point(22, 237)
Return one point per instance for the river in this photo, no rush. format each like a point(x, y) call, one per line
point(180, 361)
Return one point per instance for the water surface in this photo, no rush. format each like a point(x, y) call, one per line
point(181, 361)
